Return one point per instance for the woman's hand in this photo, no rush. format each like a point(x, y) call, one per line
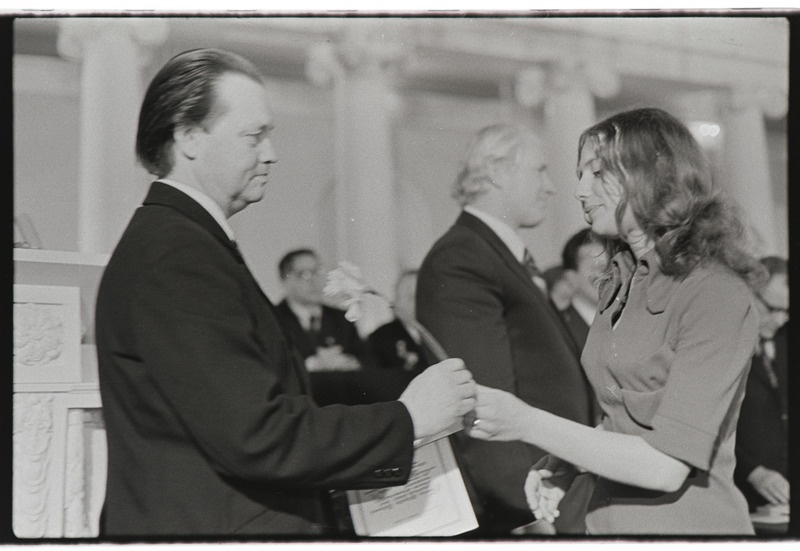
point(547, 482)
point(770, 484)
point(499, 416)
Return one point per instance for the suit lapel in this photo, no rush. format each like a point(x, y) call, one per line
point(485, 232)
point(166, 195)
point(163, 194)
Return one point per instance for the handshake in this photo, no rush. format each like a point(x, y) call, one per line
point(445, 394)
point(440, 397)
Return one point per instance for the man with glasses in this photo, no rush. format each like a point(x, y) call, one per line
point(762, 450)
point(322, 335)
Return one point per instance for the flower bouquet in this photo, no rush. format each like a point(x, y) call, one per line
point(346, 285)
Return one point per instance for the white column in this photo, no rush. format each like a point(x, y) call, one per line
point(111, 183)
point(366, 176)
point(569, 109)
point(746, 174)
point(364, 168)
point(567, 94)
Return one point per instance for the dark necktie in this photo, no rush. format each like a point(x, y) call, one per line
point(530, 266)
point(313, 324)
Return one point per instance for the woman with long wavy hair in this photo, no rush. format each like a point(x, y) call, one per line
point(668, 351)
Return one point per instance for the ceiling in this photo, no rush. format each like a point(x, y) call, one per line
point(482, 56)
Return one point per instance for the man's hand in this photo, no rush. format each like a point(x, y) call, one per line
point(770, 484)
point(439, 397)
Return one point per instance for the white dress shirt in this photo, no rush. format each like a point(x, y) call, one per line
point(304, 313)
point(509, 237)
point(206, 202)
point(506, 233)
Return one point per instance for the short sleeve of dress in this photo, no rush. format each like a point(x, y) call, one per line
point(716, 335)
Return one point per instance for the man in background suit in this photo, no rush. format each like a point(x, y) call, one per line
point(321, 333)
point(210, 428)
point(583, 260)
point(480, 301)
point(398, 344)
point(762, 437)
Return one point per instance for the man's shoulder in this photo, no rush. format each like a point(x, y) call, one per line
point(165, 226)
point(457, 241)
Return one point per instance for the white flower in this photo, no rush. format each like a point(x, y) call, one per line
point(346, 286)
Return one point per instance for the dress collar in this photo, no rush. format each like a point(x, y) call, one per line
point(658, 286)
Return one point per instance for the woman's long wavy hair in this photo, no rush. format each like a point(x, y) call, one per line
point(667, 182)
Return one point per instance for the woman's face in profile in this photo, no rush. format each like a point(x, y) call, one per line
point(599, 192)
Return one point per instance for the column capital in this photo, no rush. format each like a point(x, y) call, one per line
point(536, 83)
point(772, 102)
point(361, 50)
point(77, 35)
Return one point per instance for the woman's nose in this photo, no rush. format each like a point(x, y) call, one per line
point(582, 188)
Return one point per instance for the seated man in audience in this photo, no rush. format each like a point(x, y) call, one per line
point(397, 344)
point(762, 447)
point(321, 333)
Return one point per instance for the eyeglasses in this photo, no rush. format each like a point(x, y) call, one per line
point(306, 274)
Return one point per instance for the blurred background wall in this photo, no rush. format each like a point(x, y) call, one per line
point(373, 115)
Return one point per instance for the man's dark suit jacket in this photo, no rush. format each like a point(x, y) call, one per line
point(482, 306)
point(761, 434)
point(578, 328)
point(210, 429)
point(334, 329)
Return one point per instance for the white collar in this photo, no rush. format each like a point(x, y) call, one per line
point(506, 233)
point(206, 202)
point(304, 312)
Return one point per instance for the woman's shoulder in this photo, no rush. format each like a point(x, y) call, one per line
point(713, 282)
point(716, 274)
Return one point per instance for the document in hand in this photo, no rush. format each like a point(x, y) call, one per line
point(434, 501)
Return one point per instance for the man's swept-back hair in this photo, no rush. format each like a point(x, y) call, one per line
point(498, 142)
point(182, 94)
point(667, 181)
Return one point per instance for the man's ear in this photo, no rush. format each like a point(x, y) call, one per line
point(187, 140)
point(496, 172)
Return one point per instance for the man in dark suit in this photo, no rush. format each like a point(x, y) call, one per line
point(398, 344)
point(762, 438)
point(210, 429)
point(583, 260)
point(480, 295)
point(321, 333)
